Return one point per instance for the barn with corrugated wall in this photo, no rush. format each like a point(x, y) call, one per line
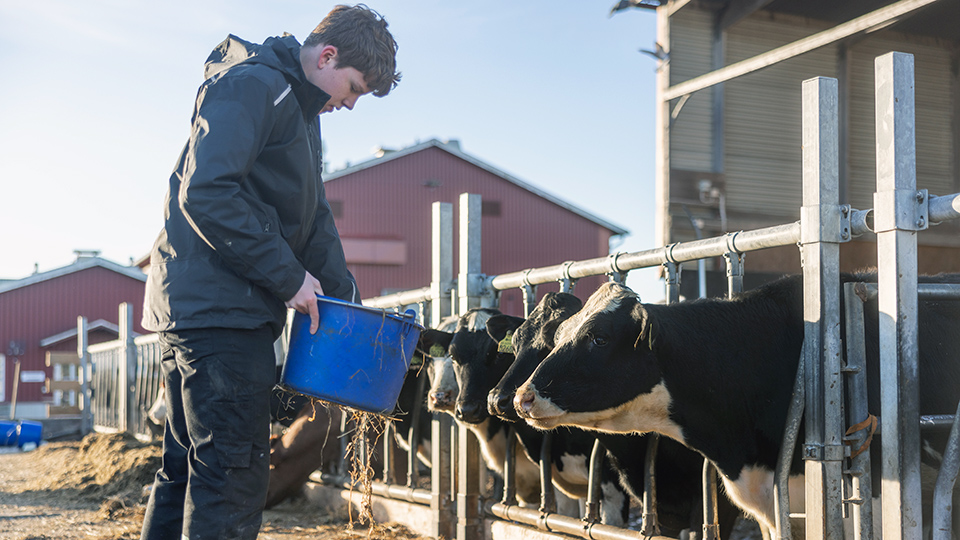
point(39, 314)
point(383, 213)
point(742, 136)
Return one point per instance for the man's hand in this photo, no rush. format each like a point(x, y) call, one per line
point(305, 301)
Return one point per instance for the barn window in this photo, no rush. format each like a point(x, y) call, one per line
point(490, 208)
point(337, 208)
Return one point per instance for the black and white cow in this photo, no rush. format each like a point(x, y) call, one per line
point(716, 375)
point(490, 432)
point(479, 366)
point(679, 470)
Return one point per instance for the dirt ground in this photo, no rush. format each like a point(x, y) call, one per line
point(94, 489)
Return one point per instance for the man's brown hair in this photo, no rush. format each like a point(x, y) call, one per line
point(363, 42)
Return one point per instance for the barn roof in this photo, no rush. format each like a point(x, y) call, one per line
point(82, 263)
point(453, 147)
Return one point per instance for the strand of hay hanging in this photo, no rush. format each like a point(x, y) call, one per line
point(359, 454)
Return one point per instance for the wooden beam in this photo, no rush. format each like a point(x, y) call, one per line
point(866, 23)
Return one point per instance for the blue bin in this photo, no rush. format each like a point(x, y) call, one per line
point(29, 432)
point(8, 433)
point(358, 357)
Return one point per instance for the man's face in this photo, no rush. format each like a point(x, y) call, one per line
point(345, 85)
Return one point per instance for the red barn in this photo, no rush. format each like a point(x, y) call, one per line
point(39, 314)
point(382, 209)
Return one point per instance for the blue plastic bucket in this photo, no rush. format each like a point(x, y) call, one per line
point(29, 432)
point(358, 357)
point(8, 433)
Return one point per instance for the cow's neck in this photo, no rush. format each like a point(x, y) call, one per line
point(729, 406)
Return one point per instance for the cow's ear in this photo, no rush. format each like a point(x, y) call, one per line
point(499, 326)
point(643, 325)
point(434, 342)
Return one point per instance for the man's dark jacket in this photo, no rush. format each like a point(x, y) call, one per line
point(246, 215)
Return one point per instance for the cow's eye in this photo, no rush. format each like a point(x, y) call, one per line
point(599, 341)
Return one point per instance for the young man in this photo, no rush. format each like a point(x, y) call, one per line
point(248, 233)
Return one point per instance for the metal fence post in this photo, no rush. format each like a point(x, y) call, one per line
point(86, 413)
point(898, 215)
point(470, 286)
point(441, 480)
point(820, 245)
point(441, 305)
point(470, 294)
point(441, 274)
point(127, 381)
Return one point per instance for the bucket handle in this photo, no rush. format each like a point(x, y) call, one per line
point(408, 314)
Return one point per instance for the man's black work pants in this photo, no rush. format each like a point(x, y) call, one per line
point(216, 445)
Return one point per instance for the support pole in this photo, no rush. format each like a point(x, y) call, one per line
point(127, 383)
point(897, 219)
point(468, 486)
point(441, 479)
point(441, 269)
point(470, 282)
point(86, 413)
point(820, 245)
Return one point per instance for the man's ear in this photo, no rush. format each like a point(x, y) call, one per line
point(498, 326)
point(327, 53)
point(644, 327)
point(434, 342)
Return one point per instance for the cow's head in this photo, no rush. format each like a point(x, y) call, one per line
point(531, 341)
point(442, 396)
point(602, 374)
point(476, 362)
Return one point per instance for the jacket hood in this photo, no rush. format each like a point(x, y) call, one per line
point(279, 53)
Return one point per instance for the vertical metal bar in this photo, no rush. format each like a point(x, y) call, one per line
point(468, 486)
point(389, 474)
point(734, 264)
point(548, 498)
point(856, 370)
point(344, 443)
point(441, 266)
point(897, 284)
point(651, 524)
point(124, 397)
point(510, 468)
point(781, 477)
point(413, 441)
point(567, 283)
point(594, 490)
point(662, 224)
point(529, 298)
point(470, 281)
point(441, 480)
point(820, 236)
point(86, 412)
point(946, 480)
point(671, 282)
point(711, 528)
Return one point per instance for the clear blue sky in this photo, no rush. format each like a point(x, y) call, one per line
point(97, 95)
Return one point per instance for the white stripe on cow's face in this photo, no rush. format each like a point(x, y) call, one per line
point(642, 414)
point(605, 299)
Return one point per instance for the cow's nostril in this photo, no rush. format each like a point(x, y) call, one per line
point(504, 402)
point(523, 403)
